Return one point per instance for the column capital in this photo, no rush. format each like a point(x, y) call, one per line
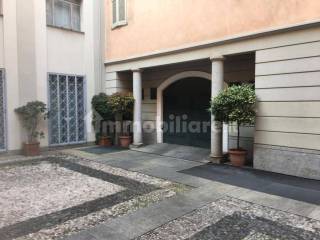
point(217, 58)
point(139, 70)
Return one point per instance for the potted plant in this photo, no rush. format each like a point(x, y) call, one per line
point(235, 104)
point(122, 107)
point(30, 115)
point(102, 113)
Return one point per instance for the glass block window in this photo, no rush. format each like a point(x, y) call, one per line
point(64, 13)
point(119, 13)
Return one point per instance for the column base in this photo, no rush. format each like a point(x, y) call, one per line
point(216, 159)
point(136, 145)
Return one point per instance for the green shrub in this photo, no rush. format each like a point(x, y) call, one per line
point(100, 104)
point(235, 104)
point(30, 115)
point(122, 107)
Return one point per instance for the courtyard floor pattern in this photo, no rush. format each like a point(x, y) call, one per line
point(125, 195)
point(225, 203)
point(52, 194)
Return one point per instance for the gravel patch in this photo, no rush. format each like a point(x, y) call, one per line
point(35, 190)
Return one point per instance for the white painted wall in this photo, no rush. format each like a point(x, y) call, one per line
point(10, 40)
point(65, 51)
point(29, 50)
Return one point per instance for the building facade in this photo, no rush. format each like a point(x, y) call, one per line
point(50, 51)
point(175, 55)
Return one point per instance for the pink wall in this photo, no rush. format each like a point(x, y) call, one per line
point(161, 24)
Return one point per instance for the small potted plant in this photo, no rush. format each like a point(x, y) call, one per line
point(235, 104)
point(102, 113)
point(122, 107)
point(30, 115)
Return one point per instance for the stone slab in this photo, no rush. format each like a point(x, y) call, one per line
point(178, 151)
point(296, 162)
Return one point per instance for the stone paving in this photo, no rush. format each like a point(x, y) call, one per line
point(177, 198)
point(230, 218)
point(215, 204)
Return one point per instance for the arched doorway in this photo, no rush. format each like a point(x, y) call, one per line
point(185, 112)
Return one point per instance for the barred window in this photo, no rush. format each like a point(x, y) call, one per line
point(119, 13)
point(64, 13)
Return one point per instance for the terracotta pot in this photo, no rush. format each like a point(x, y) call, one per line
point(31, 149)
point(237, 157)
point(124, 141)
point(105, 141)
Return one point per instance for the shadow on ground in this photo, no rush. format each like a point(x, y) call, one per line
point(299, 189)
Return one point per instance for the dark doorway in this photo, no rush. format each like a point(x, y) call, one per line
point(185, 112)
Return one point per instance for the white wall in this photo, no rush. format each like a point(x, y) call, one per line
point(80, 53)
point(1, 43)
point(10, 41)
point(65, 51)
point(29, 50)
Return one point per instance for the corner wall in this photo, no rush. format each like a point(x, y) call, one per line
point(287, 137)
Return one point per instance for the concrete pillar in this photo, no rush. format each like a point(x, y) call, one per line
point(137, 116)
point(216, 127)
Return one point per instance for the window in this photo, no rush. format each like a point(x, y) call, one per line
point(64, 13)
point(119, 13)
point(153, 93)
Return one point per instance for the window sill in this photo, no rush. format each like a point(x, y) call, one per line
point(65, 29)
point(119, 25)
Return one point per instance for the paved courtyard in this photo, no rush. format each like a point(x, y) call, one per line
point(157, 192)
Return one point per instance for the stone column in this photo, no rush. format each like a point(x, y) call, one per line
point(137, 116)
point(216, 127)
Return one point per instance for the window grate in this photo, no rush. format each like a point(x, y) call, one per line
point(66, 109)
point(3, 126)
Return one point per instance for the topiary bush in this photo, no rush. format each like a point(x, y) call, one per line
point(100, 104)
point(102, 112)
point(122, 105)
point(235, 104)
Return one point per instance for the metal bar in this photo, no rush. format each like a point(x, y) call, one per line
point(4, 111)
point(49, 108)
point(68, 114)
point(76, 102)
point(58, 99)
point(84, 88)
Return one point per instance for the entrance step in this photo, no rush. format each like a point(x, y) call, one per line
point(178, 151)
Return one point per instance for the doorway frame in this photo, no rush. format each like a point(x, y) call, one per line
point(163, 86)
